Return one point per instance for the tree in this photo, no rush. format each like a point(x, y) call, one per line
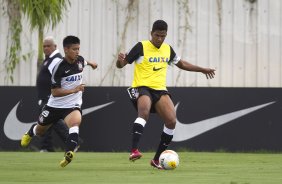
point(41, 14)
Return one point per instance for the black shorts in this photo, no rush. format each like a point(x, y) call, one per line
point(51, 115)
point(154, 95)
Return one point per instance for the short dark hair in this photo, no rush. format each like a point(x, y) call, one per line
point(159, 25)
point(69, 40)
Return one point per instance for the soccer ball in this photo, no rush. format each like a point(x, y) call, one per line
point(169, 159)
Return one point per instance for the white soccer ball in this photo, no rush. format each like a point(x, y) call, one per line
point(169, 159)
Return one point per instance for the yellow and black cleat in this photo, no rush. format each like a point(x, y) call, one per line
point(67, 159)
point(26, 138)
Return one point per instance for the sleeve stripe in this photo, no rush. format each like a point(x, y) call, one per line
point(55, 70)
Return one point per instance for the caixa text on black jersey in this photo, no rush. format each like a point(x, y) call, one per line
point(74, 78)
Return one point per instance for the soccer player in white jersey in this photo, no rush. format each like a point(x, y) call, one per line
point(66, 98)
point(43, 86)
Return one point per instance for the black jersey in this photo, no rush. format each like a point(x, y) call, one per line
point(67, 76)
point(43, 81)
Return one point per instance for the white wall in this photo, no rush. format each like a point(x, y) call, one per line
point(242, 40)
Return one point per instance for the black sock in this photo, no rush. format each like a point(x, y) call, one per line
point(165, 140)
point(61, 129)
point(30, 132)
point(72, 141)
point(137, 132)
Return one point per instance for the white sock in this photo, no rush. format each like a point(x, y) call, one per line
point(168, 131)
point(140, 121)
point(34, 130)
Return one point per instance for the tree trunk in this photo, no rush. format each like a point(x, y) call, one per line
point(40, 56)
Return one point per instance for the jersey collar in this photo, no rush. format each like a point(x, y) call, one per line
point(53, 53)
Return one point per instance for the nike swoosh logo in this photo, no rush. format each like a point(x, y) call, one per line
point(14, 128)
point(187, 131)
point(156, 69)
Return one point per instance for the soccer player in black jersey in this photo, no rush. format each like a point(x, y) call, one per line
point(148, 91)
point(66, 98)
point(43, 86)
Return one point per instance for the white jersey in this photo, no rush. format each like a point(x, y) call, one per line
point(67, 76)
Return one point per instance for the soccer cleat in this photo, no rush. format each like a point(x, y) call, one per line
point(26, 138)
point(135, 155)
point(156, 164)
point(67, 159)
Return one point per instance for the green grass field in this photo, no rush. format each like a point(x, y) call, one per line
point(88, 167)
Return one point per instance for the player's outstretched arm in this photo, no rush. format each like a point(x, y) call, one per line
point(184, 65)
point(93, 64)
point(121, 62)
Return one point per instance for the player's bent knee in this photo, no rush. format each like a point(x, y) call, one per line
point(40, 130)
point(40, 133)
